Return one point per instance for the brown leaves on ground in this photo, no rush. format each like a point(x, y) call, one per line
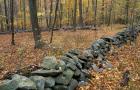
point(125, 58)
point(23, 54)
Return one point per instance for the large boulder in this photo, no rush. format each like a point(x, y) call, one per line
point(49, 63)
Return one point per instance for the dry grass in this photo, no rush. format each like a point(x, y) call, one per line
point(23, 51)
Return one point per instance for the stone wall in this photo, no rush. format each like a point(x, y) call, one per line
point(72, 69)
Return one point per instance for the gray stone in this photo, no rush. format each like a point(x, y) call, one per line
point(69, 55)
point(73, 84)
point(107, 64)
point(86, 73)
point(75, 52)
point(60, 87)
point(67, 60)
point(97, 69)
point(61, 64)
point(82, 83)
point(108, 39)
point(49, 63)
point(71, 66)
point(77, 73)
point(24, 82)
point(46, 73)
point(48, 89)
point(40, 82)
point(8, 85)
point(82, 77)
point(65, 78)
point(50, 82)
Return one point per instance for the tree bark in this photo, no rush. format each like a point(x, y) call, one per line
point(12, 21)
point(110, 12)
point(74, 15)
point(127, 11)
point(6, 14)
point(56, 9)
point(80, 13)
point(34, 22)
point(95, 12)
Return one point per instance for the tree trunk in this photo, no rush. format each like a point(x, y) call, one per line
point(6, 14)
point(80, 13)
point(24, 14)
point(95, 12)
point(12, 21)
point(35, 26)
point(45, 6)
point(74, 15)
point(127, 11)
point(102, 12)
point(56, 9)
point(61, 13)
point(110, 12)
point(50, 16)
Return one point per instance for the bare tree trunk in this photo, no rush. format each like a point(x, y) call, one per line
point(80, 13)
point(133, 12)
point(12, 21)
point(56, 9)
point(35, 26)
point(127, 11)
point(50, 16)
point(74, 15)
point(110, 12)
point(45, 6)
point(24, 13)
point(95, 12)
point(6, 14)
point(103, 9)
point(61, 13)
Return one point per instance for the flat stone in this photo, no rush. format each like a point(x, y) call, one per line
point(46, 73)
point(60, 87)
point(67, 60)
point(69, 55)
point(49, 63)
point(65, 78)
point(71, 66)
point(48, 89)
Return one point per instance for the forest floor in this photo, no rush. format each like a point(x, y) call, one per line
point(24, 52)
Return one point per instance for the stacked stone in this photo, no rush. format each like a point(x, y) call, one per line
point(72, 68)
